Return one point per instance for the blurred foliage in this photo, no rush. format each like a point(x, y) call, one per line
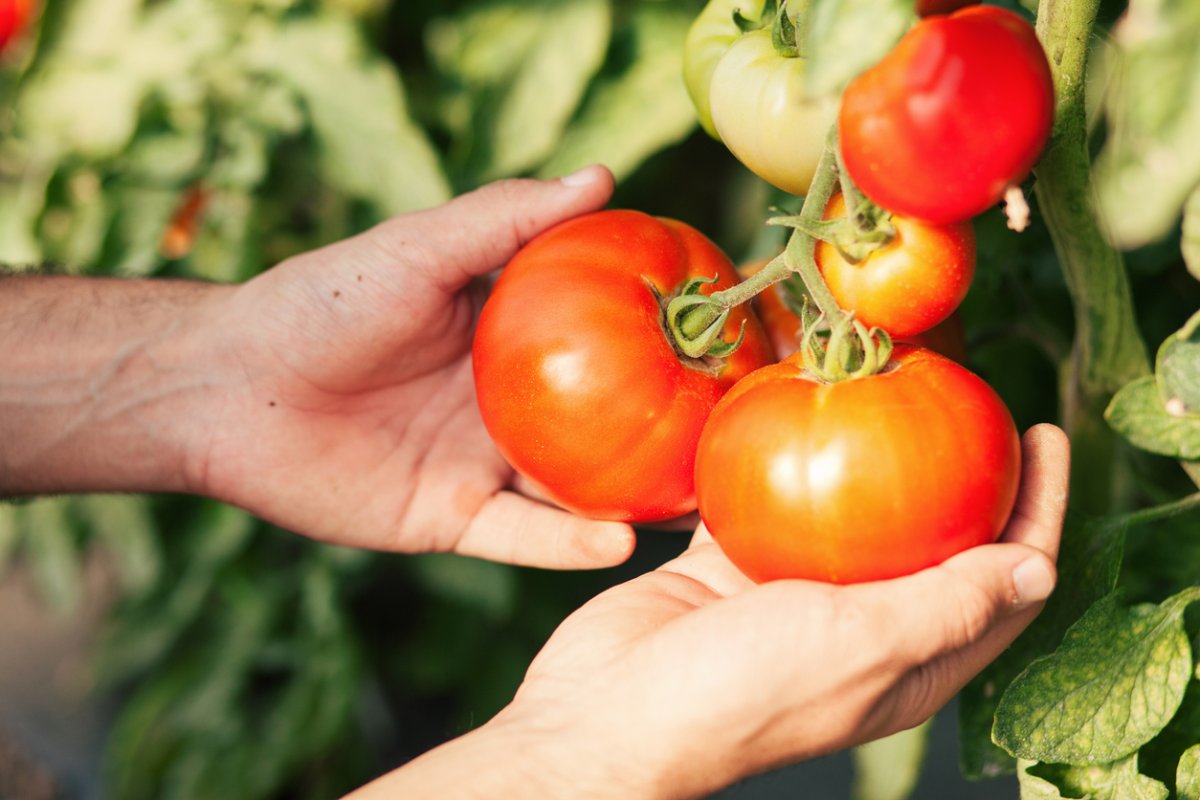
point(209, 140)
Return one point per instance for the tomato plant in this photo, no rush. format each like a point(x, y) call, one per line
point(910, 283)
point(579, 385)
point(858, 480)
point(753, 98)
point(956, 113)
point(14, 16)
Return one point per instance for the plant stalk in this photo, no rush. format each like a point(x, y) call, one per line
point(1108, 351)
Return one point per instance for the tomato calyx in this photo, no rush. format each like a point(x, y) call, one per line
point(850, 351)
point(693, 323)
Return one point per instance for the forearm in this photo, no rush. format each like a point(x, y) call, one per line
point(103, 383)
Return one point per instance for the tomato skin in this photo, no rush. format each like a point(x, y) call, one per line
point(929, 8)
point(957, 112)
point(862, 480)
point(577, 382)
point(14, 16)
point(762, 115)
point(947, 338)
point(908, 285)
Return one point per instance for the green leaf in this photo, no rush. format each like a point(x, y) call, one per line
point(52, 552)
point(10, 534)
point(1115, 681)
point(125, 525)
point(1089, 563)
point(1177, 368)
point(888, 768)
point(1114, 781)
point(632, 113)
point(1138, 413)
point(367, 144)
point(485, 585)
point(525, 67)
point(848, 36)
point(1190, 244)
point(1150, 164)
point(1187, 778)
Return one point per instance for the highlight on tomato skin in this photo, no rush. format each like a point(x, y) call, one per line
point(577, 383)
point(956, 113)
point(861, 480)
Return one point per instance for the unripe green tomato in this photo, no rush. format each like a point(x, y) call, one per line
point(762, 115)
point(710, 36)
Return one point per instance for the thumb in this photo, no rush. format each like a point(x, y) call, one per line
point(480, 231)
point(953, 606)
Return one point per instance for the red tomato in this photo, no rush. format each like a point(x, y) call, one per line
point(783, 327)
point(14, 16)
point(577, 382)
point(957, 112)
point(910, 284)
point(861, 480)
point(928, 8)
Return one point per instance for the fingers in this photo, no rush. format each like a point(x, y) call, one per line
point(1042, 500)
point(480, 231)
point(515, 530)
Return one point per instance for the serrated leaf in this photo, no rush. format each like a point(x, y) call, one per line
point(526, 67)
point(888, 768)
point(634, 113)
point(1177, 368)
point(1138, 413)
point(1115, 781)
point(1115, 681)
point(367, 144)
point(1089, 563)
point(848, 36)
point(1150, 163)
point(1187, 776)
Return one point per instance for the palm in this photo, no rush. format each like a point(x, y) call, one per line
point(357, 421)
point(788, 670)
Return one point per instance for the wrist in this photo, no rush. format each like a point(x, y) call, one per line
point(106, 383)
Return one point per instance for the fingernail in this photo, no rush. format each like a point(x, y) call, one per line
point(1033, 580)
point(580, 178)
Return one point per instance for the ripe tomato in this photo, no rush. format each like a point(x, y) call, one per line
point(577, 382)
point(783, 327)
point(957, 112)
point(14, 15)
point(909, 284)
point(752, 98)
point(861, 480)
point(928, 8)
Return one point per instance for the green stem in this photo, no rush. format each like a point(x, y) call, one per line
point(1174, 508)
point(800, 253)
point(1108, 350)
point(797, 258)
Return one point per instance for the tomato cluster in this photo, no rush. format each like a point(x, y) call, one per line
point(848, 460)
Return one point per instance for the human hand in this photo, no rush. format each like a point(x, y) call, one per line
point(690, 677)
point(353, 417)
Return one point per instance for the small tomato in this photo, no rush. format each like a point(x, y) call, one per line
point(908, 285)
